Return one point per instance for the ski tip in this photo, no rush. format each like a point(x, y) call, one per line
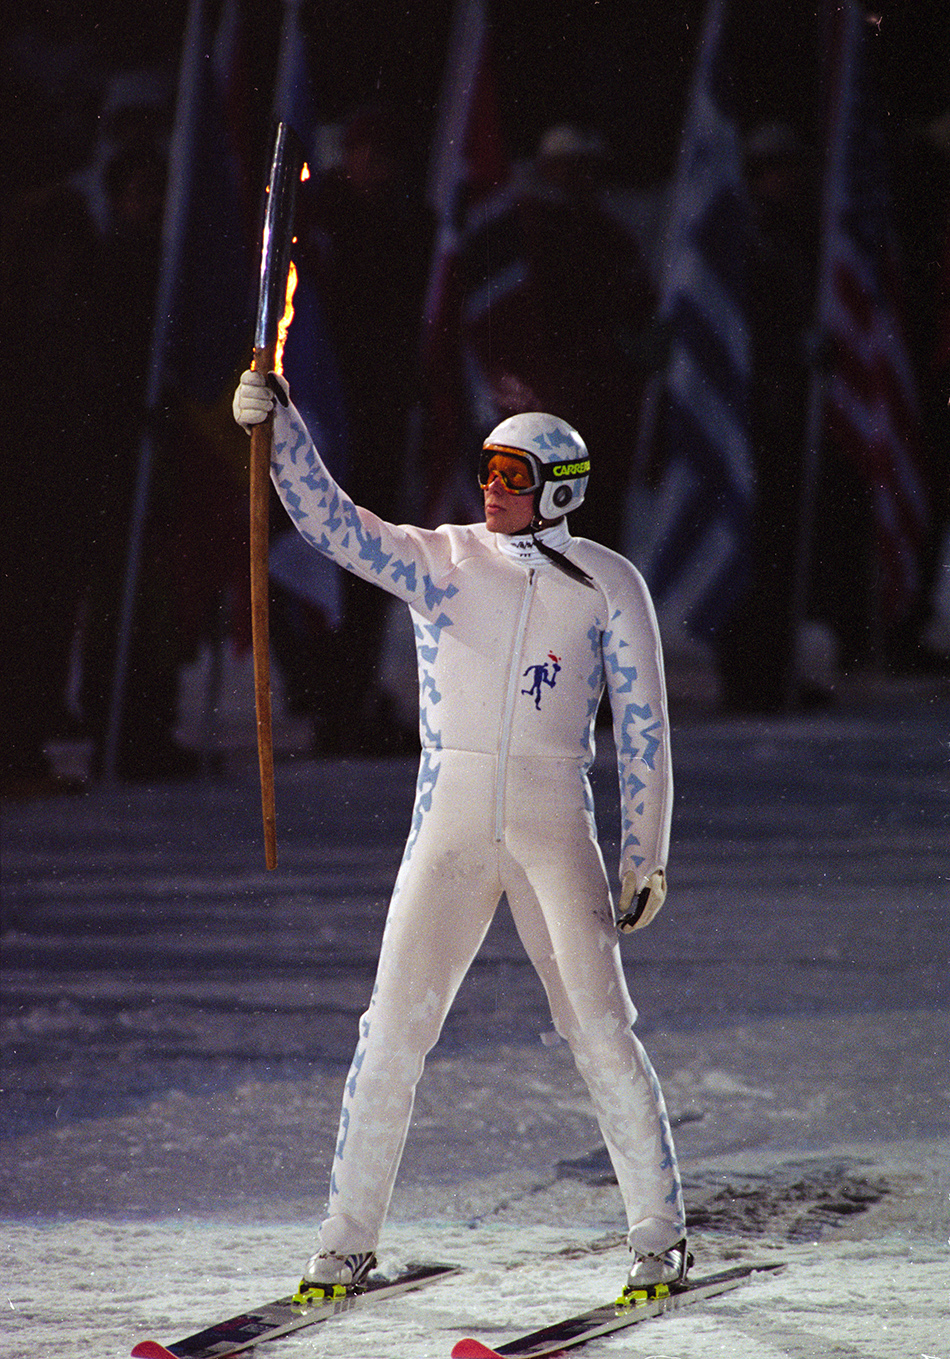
point(473, 1349)
point(151, 1349)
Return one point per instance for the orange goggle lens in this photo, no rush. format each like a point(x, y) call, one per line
point(516, 473)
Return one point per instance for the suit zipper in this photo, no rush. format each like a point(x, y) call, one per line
point(508, 717)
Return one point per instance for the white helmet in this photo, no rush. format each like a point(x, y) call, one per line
point(555, 451)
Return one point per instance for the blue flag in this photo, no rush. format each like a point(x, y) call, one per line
point(309, 360)
point(213, 309)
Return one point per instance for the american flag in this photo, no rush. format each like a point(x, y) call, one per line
point(698, 567)
point(871, 412)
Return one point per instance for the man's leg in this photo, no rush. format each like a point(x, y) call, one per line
point(565, 920)
point(445, 896)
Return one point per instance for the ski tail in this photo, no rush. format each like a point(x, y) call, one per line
point(473, 1349)
point(614, 1316)
point(240, 1333)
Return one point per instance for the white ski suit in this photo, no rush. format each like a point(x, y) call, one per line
point(513, 657)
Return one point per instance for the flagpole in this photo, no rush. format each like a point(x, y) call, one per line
point(839, 49)
point(811, 469)
point(177, 196)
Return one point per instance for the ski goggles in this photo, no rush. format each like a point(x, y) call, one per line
point(519, 475)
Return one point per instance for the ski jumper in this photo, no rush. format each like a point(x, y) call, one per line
point(513, 658)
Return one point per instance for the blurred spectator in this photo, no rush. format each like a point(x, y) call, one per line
point(558, 311)
point(48, 243)
point(365, 238)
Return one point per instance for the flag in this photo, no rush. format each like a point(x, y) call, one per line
point(309, 360)
point(213, 306)
point(203, 315)
point(871, 414)
point(468, 162)
point(698, 567)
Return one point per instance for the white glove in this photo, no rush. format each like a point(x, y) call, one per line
point(255, 396)
point(635, 914)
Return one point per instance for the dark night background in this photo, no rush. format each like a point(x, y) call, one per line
point(177, 1021)
point(622, 71)
point(622, 68)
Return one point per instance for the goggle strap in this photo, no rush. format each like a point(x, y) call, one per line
point(563, 563)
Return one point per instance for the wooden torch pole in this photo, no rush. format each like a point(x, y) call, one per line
point(285, 170)
point(261, 441)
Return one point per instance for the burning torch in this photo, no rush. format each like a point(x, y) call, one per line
point(287, 168)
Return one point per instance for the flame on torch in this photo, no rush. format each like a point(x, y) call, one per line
point(283, 325)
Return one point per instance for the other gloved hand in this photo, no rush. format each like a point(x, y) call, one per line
point(255, 395)
point(635, 914)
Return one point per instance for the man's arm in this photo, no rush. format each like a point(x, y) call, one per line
point(402, 560)
point(633, 663)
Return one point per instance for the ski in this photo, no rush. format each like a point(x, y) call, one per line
point(564, 1335)
point(274, 1319)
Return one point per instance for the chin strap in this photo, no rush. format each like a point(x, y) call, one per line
point(558, 559)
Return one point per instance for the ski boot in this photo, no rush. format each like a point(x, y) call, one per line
point(329, 1275)
point(656, 1276)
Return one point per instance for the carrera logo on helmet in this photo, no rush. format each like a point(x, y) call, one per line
point(570, 469)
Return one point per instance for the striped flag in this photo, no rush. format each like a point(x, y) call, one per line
point(871, 413)
point(698, 566)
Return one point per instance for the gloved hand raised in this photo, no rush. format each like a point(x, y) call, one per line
point(255, 395)
point(634, 915)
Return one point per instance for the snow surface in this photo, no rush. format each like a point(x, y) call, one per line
point(177, 1023)
point(84, 1288)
